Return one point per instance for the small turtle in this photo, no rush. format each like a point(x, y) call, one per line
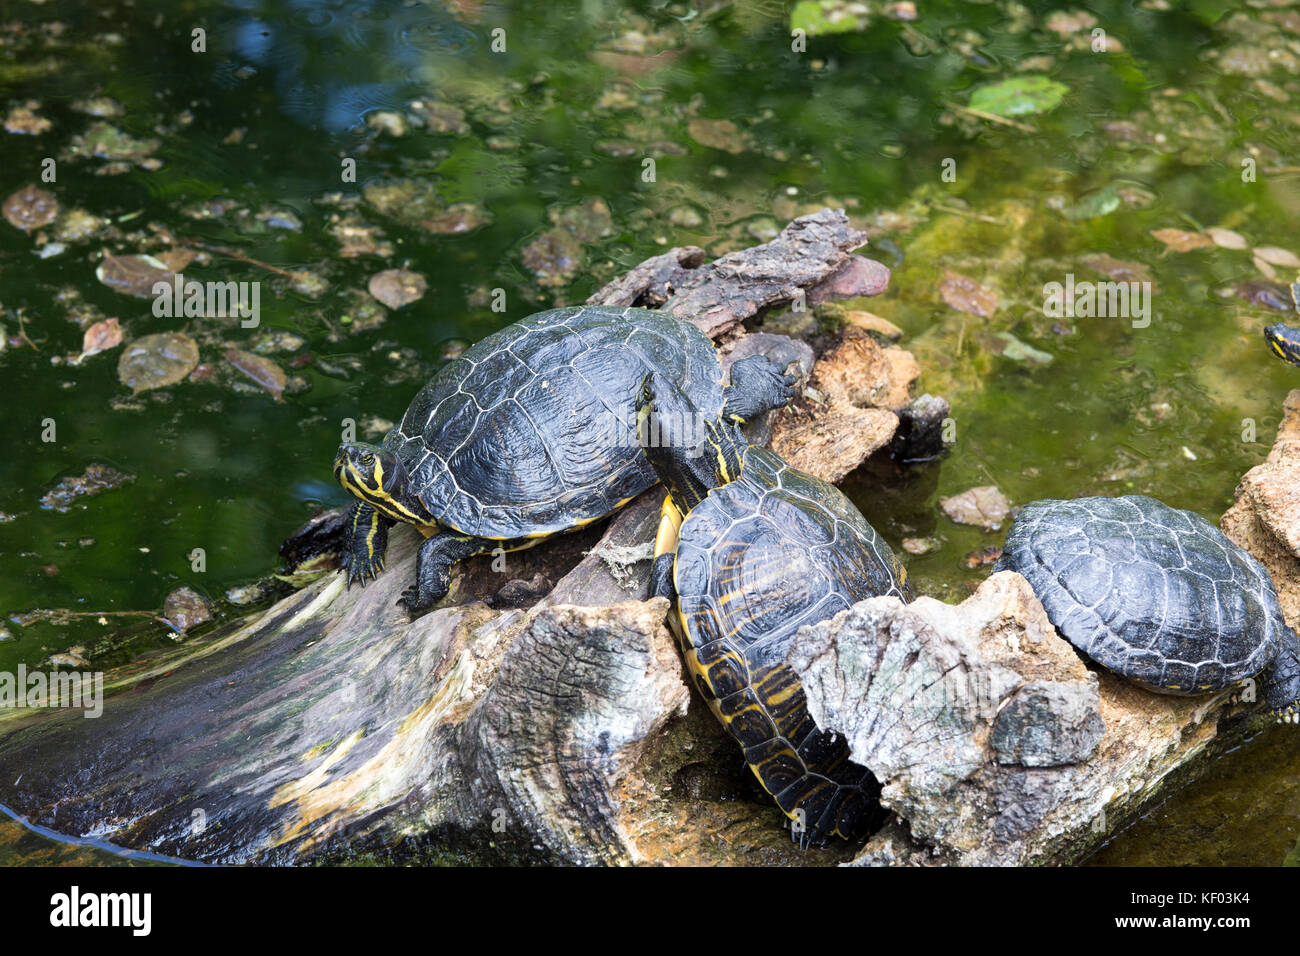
point(763, 550)
point(1285, 339)
point(528, 433)
point(1157, 595)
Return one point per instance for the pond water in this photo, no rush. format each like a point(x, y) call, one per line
point(521, 170)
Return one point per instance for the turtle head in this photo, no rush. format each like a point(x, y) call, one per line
point(691, 455)
point(1282, 689)
point(1284, 340)
point(376, 476)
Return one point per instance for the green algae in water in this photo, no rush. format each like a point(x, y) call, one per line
point(863, 119)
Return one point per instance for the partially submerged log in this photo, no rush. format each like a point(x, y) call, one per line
point(328, 725)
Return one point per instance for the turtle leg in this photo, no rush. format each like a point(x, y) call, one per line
point(365, 543)
point(757, 385)
point(661, 572)
point(433, 568)
point(661, 578)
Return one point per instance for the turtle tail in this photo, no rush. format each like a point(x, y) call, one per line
point(1282, 691)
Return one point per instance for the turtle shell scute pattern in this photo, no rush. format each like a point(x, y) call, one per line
point(1153, 593)
point(532, 430)
point(759, 558)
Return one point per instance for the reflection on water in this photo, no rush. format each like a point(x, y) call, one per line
point(320, 56)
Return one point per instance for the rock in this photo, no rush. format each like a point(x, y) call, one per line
point(1271, 490)
point(870, 322)
point(781, 349)
point(186, 608)
point(985, 507)
point(1265, 518)
point(95, 480)
point(1047, 724)
point(920, 435)
point(831, 441)
point(859, 382)
point(993, 742)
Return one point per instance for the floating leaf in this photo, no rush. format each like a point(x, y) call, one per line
point(263, 371)
point(962, 292)
point(1019, 96)
point(820, 17)
point(132, 275)
point(1226, 238)
point(101, 337)
point(1180, 240)
point(1277, 257)
point(397, 287)
point(30, 208)
point(155, 361)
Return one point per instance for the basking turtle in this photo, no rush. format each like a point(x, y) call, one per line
point(1285, 339)
point(530, 432)
point(763, 550)
point(1157, 595)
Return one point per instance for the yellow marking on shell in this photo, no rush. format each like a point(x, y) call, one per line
point(782, 696)
point(670, 525)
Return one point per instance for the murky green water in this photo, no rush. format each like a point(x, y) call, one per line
point(537, 190)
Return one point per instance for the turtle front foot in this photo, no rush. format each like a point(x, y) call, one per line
point(757, 385)
point(416, 603)
point(360, 569)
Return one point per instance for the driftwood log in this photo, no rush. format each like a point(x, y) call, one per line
point(539, 714)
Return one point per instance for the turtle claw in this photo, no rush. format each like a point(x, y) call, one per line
point(411, 604)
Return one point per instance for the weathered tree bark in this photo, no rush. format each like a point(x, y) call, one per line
point(328, 725)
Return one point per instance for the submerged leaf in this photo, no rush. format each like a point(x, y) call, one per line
point(132, 275)
point(30, 208)
point(1180, 240)
point(155, 361)
point(261, 370)
point(397, 287)
point(101, 337)
point(962, 292)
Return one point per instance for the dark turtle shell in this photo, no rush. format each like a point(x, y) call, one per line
point(532, 430)
point(1153, 593)
point(759, 558)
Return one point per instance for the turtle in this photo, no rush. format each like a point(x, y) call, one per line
point(749, 549)
point(1157, 595)
point(530, 432)
point(1285, 339)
